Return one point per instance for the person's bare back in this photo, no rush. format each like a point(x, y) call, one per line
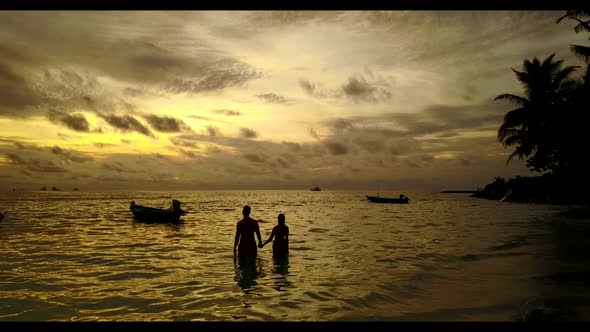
point(244, 239)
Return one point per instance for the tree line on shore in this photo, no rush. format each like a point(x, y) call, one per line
point(547, 128)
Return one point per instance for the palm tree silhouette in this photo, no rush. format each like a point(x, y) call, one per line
point(529, 127)
point(582, 16)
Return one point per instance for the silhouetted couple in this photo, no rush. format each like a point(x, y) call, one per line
point(246, 244)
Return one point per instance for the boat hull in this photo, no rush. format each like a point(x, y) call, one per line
point(376, 199)
point(163, 217)
point(144, 213)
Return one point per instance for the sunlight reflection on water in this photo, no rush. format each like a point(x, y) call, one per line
point(81, 256)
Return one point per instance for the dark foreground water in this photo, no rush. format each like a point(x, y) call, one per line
point(80, 256)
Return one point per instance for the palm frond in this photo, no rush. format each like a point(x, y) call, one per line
point(512, 140)
point(513, 154)
point(517, 100)
point(516, 117)
point(581, 52)
point(506, 131)
point(563, 75)
point(549, 61)
point(582, 26)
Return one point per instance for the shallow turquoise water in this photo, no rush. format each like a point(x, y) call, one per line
point(81, 256)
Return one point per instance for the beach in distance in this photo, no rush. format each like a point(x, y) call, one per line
point(80, 256)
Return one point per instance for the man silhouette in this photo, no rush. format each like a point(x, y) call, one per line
point(244, 240)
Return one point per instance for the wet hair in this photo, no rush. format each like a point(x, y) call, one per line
point(246, 210)
point(281, 219)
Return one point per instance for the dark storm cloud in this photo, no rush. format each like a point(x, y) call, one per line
point(412, 164)
point(336, 148)
point(159, 156)
point(441, 120)
point(358, 88)
point(371, 145)
point(9, 140)
point(100, 44)
point(217, 77)
point(70, 155)
point(290, 17)
point(314, 134)
point(166, 124)
point(289, 157)
point(17, 53)
point(445, 119)
point(187, 153)
point(339, 124)
point(21, 145)
point(103, 145)
point(257, 158)
point(213, 131)
point(292, 146)
point(76, 122)
point(15, 158)
point(359, 134)
point(15, 93)
point(200, 117)
point(116, 167)
point(126, 123)
point(308, 86)
point(314, 89)
point(133, 92)
point(248, 133)
point(227, 112)
point(181, 142)
point(427, 158)
point(465, 162)
point(283, 163)
point(34, 164)
point(248, 24)
point(374, 134)
point(272, 98)
point(213, 149)
point(67, 90)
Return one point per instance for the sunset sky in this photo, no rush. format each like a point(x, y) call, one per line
point(263, 100)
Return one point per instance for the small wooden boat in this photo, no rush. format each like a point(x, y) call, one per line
point(145, 213)
point(315, 189)
point(401, 200)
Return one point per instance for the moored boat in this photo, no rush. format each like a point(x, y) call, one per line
point(145, 213)
point(315, 189)
point(401, 200)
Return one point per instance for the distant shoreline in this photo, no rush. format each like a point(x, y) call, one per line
point(458, 191)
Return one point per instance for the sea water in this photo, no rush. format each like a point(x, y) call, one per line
point(80, 256)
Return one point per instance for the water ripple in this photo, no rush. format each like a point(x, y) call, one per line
point(80, 256)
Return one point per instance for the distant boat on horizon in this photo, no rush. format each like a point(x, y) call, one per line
point(75, 189)
point(315, 189)
point(43, 188)
point(54, 189)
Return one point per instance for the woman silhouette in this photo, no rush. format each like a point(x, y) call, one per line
point(280, 246)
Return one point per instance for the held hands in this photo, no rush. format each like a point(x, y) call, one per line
point(260, 245)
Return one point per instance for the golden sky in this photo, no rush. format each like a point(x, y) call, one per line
point(263, 99)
